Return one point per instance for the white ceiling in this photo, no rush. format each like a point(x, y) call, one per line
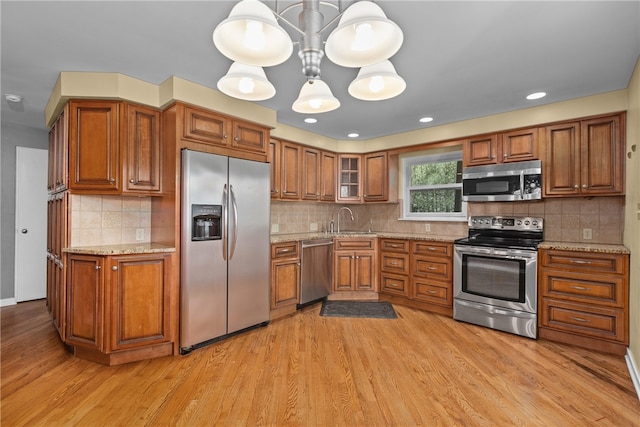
point(460, 60)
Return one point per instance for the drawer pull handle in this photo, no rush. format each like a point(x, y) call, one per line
point(431, 267)
point(431, 248)
point(580, 261)
point(285, 250)
point(580, 288)
point(393, 263)
point(580, 319)
point(431, 292)
point(395, 246)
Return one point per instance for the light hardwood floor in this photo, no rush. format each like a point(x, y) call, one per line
point(307, 370)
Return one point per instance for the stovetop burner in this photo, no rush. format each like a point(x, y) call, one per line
point(504, 232)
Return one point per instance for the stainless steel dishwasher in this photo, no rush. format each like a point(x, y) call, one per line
point(317, 270)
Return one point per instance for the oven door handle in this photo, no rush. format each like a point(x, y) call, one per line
point(472, 250)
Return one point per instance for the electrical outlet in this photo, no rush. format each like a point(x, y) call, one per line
point(139, 234)
point(587, 234)
point(427, 227)
point(275, 228)
point(313, 226)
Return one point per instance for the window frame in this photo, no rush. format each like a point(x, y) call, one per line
point(405, 164)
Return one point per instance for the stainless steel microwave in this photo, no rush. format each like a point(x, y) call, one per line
point(503, 182)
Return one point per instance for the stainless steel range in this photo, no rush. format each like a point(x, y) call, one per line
point(495, 274)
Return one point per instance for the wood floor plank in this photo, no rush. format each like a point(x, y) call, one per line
point(420, 369)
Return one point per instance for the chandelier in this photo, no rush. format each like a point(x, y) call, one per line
point(364, 38)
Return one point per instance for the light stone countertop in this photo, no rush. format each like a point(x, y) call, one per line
point(585, 247)
point(123, 249)
point(280, 238)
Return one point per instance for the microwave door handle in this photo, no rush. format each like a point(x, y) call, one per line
point(522, 185)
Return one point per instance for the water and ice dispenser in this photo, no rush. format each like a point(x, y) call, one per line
point(206, 222)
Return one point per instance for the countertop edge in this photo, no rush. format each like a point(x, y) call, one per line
point(282, 238)
point(124, 249)
point(585, 247)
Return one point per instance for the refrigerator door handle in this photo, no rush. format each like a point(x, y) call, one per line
point(224, 223)
point(234, 206)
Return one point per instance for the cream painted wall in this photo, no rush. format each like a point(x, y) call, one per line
point(631, 236)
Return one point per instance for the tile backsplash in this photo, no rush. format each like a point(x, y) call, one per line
point(109, 220)
point(565, 219)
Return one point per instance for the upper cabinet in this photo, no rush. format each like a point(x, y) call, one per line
point(363, 178)
point(208, 131)
point(114, 148)
point(58, 154)
point(143, 150)
point(299, 172)
point(512, 146)
point(585, 158)
point(95, 132)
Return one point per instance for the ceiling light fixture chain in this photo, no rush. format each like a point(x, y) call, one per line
point(364, 38)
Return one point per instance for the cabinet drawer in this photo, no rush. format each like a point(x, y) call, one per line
point(583, 319)
point(586, 262)
point(350, 244)
point(394, 245)
point(425, 247)
point(284, 250)
point(433, 267)
point(394, 263)
point(587, 288)
point(394, 284)
point(432, 292)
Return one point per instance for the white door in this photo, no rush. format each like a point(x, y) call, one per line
point(31, 224)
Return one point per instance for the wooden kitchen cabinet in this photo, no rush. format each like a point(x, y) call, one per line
point(114, 148)
point(584, 299)
point(363, 178)
point(58, 173)
point(394, 266)
point(376, 178)
point(311, 173)
point(95, 132)
point(328, 175)
point(290, 170)
point(143, 151)
point(354, 265)
point(432, 275)
point(57, 239)
point(119, 307)
point(285, 277)
point(513, 146)
point(220, 134)
point(275, 160)
point(585, 158)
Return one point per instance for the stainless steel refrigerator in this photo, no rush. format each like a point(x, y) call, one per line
point(225, 276)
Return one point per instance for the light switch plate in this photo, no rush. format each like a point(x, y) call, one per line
point(427, 227)
point(275, 228)
point(139, 234)
point(313, 226)
point(587, 234)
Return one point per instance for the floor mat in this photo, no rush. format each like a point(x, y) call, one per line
point(373, 309)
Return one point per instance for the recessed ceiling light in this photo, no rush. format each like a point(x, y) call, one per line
point(426, 119)
point(12, 98)
point(353, 135)
point(536, 95)
point(310, 120)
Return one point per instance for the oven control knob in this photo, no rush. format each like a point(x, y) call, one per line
point(526, 222)
point(535, 223)
point(519, 222)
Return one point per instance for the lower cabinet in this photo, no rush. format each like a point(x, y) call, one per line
point(584, 299)
point(285, 275)
point(119, 307)
point(418, 273)
point(354, 265)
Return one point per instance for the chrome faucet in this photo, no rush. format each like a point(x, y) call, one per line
point(340, 211)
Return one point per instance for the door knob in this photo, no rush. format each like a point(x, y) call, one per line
point(24, 231)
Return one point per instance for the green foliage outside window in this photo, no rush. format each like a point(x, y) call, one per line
point(435, 187)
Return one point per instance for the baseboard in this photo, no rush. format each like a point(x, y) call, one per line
point(7, 301)
point(633, 371)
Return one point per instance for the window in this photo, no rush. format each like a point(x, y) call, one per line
point(433, 187)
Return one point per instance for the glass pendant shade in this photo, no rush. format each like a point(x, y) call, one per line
point(252, 36)
point(377, 82)
point(364, 36)
point(315, 97)
point(246, 82)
